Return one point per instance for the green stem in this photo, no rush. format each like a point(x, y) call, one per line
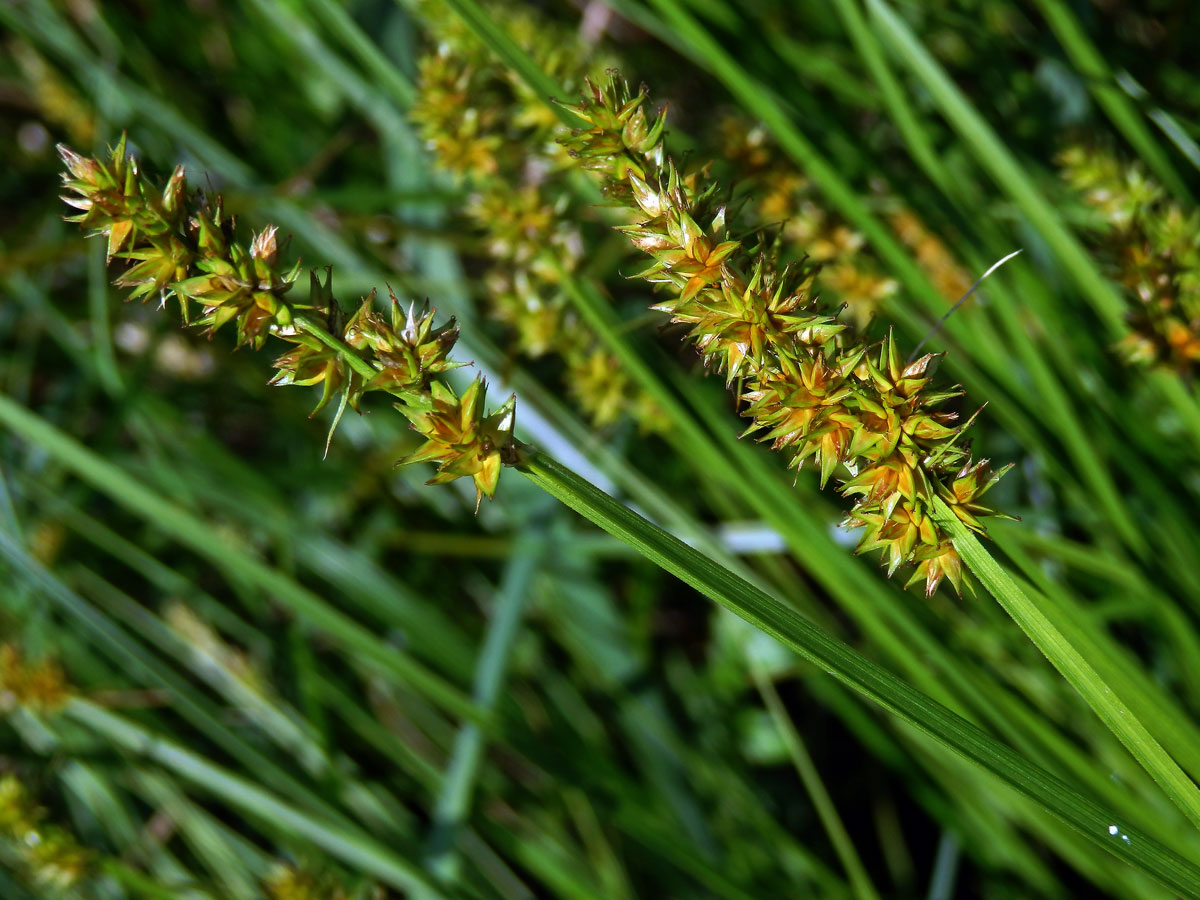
point(356, 362)
point(1119, 718)
point(865, 676)
point(807, 770)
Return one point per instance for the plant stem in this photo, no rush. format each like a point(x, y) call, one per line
point(840, 660)
point(356, 362)
point(1119, 718)
point(805, 768)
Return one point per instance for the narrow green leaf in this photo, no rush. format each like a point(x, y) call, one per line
point(195, 534)
point(1119, 717)
point(865, 676)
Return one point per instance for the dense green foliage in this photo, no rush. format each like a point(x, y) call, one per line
point(231, 668)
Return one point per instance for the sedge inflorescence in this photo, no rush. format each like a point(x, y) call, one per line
point(181, 245)
point(813, 387)
point(776, 194)
point(487, 128)
point(1152, 247)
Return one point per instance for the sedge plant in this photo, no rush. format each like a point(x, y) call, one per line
point(352, 64)
point(179, 244)
point(813, 387)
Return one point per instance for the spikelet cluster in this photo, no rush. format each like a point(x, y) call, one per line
point(813, 388)
point(39, 686)
point(484, 125)
point(181, 245)
point(53, 858)
point(1152, 248)
point(778, 196)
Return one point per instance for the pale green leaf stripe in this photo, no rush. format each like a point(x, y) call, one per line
point(195, 534)
point(865, 676)
point(1119, 718)
point(996, 159)
point(357, 851)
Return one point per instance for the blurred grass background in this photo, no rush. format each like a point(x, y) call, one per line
point(287, 670)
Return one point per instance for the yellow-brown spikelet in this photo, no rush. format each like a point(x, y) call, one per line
point(185, 247)
point(1151, 246)
point(814, 388)
point(312, 361)
point(407, 350)
point(40, 686)
point(461, 438)
point(779, 196)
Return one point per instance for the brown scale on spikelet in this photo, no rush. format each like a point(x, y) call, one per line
point(483, 124)
point(183, 246)
point(1152, 248)
point(813, 387)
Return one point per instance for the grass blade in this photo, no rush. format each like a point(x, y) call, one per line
point(838, 659)
point(1119, 717)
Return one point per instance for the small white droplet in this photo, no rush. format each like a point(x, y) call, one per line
point(1113, 829)
point(1125, 838)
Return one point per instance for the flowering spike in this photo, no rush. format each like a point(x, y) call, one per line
point(180, 244)
point(814, 388)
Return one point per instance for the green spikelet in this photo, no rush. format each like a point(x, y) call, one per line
point(183, 246)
